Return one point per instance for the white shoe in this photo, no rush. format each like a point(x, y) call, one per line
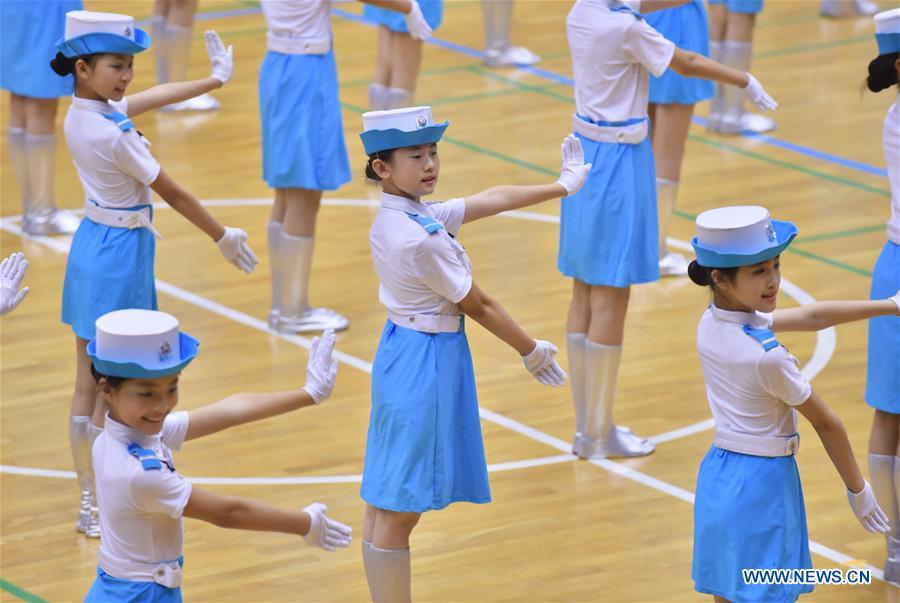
point(84, 512)
point(621, 443)
point(837, 9)
point(864, 7)
point(204, 102)
point(673, 264)
point(892, 570)
point(510, 57)
point(60, 221)
point(713, 122)
point(313, 319)
point(92, 530)
point(750, 122)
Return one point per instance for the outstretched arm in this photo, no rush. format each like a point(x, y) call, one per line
point(821, 315)
point(692, 64)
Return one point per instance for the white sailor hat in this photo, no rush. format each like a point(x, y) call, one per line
point(89, 32)
point(742, 235)
point(138, 344)
point(397, 128)
point(887, 31)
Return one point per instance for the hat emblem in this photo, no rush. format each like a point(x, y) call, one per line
point(165, 351)
point(421, 122)
point(127, 32)
point(770, 233)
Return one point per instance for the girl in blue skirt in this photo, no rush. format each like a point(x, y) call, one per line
point(748, 511)
point(609, 236)
point(883, 376)
point(110, 263)
point(424, 449)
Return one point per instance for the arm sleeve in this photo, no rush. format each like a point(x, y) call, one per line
point(440, 268)
point(133, 158)
point(175, 429)
point(645, 45)
point(449, 213)
point(165, 492)
point(781, 377)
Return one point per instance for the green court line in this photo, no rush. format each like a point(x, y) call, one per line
point(780, 52)
point(21, 593)
point(523, 87)
point(829, 261)
point(423, 73)
point(770, 23)
point(844, 233)
point(465, 98)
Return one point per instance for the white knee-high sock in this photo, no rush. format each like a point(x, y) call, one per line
point(388, 574)
point(295, 256)
point(178, 40)
point(378, 97)
point(575, 344)
point(398, 98)
point(666, 195)
point(602, 367)
point(16, 139)
point(276, 268)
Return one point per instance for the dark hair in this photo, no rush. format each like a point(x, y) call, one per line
point(701, 275)
point(386, 155)
point(113, 382)
point(64, 65)
point(882, 72)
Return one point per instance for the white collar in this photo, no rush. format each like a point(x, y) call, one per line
point(95, 106)
point(754, 319)
point(127, 435)
point(397, 202)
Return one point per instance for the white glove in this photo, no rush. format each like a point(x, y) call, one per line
point(541, 364)
point(574, 170)
point(867, 511)
point(234, 247)
point(896, 299)
point(322, 368)
point(760, 98)
point(222, 58)
point(416, 24)
point(324, 532)
point(12, 271)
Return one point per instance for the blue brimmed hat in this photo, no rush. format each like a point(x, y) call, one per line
point(140, 344)
point(887, 31)
point(89, 32)
point(742, 235)
point(398, 128)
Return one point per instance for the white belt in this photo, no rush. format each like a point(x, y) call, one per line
point(632, 134)
point(121, 218)
point(166, 573)
point(286, 45)
point(427, 323)
point(757, 445)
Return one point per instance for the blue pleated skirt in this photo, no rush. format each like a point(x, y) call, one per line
point(108, 269)
point(687, 27)
point(748, 514)
point(302, 130)
point(609, 233)
point(432, 10)
point(107, 589)
point(29, 31)
point(424, 448)
point(883, 370)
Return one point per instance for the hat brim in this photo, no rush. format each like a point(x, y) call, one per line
point(712, 258)
point(104, 42)
point(888, 43)
point(190, 347)
point(382, 140)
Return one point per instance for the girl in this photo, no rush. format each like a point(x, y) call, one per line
point(29, 31)
point(749, 511)
point(608, 231)
point(137, 357)
point(110, 263)
point(400, 51)
point(672, 100)
point(303, 148)
point(424, 449)
point(883, 375)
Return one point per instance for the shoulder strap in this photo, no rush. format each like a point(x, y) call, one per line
point(148, 458)
point(765, 337)
point(430, 225)
point(120, 119)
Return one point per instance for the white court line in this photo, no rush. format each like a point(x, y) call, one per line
point(488, 415)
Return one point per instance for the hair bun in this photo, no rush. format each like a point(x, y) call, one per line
point(62, 65)
point(699, 274)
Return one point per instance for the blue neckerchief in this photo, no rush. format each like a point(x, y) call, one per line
point(120, 119)
point(622, 8)
point(430, 225)
point(766, 337)
point(148, 458)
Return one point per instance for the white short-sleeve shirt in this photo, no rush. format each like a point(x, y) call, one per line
point(892, 158)
point(420, 273)
point(140, 511)
point(750, 390)
point(298, 18)
point(612, 52)
point(115, 167)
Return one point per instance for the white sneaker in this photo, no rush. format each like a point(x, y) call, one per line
point(673, 264)
point(510, 57)
point(750, 122)
point(864, 7)
point(60, 221)
point(621, 443)
point(313, 319)
point(204, 102)
point(837, 9)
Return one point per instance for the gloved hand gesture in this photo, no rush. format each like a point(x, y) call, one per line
point(867, 511)
point(221, 58)
point(541, 364)
point(324, 532)
point(574, 170)
point(12, 271)
point(233, 246)
point(416, 24)
point(760, 97)
point(321, 369)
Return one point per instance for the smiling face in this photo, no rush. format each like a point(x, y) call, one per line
point(142, 404)
point(411, 171)
point(105, 78)
point(754, 288)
